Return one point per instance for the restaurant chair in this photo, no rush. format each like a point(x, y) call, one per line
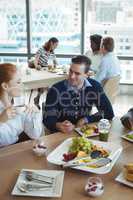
point(23, 137)
point(111, 88)
point(40, 91)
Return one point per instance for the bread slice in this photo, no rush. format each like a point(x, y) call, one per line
point(129, 167)
point(129, 177)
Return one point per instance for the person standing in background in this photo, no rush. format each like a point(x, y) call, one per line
point(45, 52)
point(95, 54)
point(42, 57)
point(109, 66)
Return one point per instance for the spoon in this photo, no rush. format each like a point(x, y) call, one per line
point(31, 176)
point(26, 187)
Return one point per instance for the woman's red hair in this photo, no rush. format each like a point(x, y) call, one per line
point(7, 70)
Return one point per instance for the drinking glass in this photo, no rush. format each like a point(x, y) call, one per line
point(104, 128)
point(94, 186)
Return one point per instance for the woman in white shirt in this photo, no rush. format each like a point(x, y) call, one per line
point(12, 122)
point(109, 66)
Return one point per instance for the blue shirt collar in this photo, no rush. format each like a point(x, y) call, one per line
point(71, 88)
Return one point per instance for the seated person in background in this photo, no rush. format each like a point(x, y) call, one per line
point(127, 120)
point(69, 102)
point(95, 55)
point(12, 122)
point(109, 66)
point(42, 57)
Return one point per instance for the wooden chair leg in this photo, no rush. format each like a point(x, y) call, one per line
point(31, 92)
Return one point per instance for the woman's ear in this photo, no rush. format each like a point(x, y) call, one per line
point(4, 86)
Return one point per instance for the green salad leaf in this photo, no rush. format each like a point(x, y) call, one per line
point(80, 144)
point(130, 136)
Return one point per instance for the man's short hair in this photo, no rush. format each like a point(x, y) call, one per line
point(108, 44)
point(81, 59)
point(96, 39)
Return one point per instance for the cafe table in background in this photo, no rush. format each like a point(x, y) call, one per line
point(40, 78)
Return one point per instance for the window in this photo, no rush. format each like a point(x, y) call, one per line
point(13, 26)
point(127, 47)
point(110, 18)
point(127, 71)
point(59, 19)
point(27, 24)
point(19, 61)
point(127, 40)
point(64, 61)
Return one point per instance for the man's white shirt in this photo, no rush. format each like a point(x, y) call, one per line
point(109, 67)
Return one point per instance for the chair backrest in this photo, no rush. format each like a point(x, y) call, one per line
point(111, 88)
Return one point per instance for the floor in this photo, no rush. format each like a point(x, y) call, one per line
point(121, 106)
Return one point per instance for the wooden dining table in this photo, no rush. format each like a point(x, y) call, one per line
point(20, 156)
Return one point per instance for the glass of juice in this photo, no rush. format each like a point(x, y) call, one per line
point(104, 128)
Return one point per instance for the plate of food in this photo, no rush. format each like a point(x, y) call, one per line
point(61, 73)
point(86, 154)
point(128, 136)
point(39, 183)
point(126, 176)
point(88, 130)
point(53, 70)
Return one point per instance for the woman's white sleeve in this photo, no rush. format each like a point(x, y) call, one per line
point(8, 134)
point(33, 125)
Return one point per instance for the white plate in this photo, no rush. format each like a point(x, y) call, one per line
point(120, 178)
point(61, 73)
point(124, 136)
point(55, 191)
point(56, 156)
point(78, 130)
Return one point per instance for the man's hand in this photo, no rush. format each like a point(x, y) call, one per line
point(65, 127)
point(127, 121)
point(81, 122)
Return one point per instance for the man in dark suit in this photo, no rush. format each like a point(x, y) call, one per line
point(69, 102)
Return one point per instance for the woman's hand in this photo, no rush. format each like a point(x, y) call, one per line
point(38, 67)
point(7, 114)
point(29, 109)
point(36, 61)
